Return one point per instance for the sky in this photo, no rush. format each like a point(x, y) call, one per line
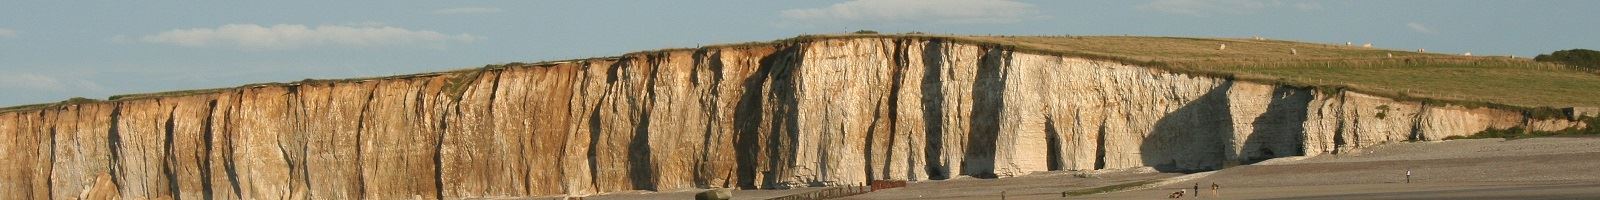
point(54, 50)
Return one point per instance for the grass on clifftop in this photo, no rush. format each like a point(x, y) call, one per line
point(1468, 80)
point(1495, 81)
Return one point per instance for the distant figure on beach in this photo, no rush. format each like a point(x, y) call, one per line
point(1214, 188)
point(1196, 189)
point(1408, 176)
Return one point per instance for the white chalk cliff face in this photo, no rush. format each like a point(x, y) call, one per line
point(824, 112)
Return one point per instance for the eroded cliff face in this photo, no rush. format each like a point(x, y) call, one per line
point(828, 112)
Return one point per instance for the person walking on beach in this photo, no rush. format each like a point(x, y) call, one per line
point(1196, 189)
point(1408, 176)
point(1214, 188)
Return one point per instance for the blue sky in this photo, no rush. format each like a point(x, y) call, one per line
point(53, 50)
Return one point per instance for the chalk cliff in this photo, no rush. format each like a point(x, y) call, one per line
point(819, 112)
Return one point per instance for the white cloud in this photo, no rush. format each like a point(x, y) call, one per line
point(8, 33)
point(290, 36)
point(938, 11)
point(366, 24)
point(1309, 5)
point(1205, 8)
point(29, 81)
point(467, 10)
point(1418, 27)
point(32, 81)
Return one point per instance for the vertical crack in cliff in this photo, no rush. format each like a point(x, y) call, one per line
point(872, 133)
point(1284, 119)
point(1338, 132)
point(114, 142)
point(293, 142)
point(897, 68)
point(641, 169)
point(697, 170)
point(988, 94)
point(1415, 133)
point(171, 159)
point(566, 123)
point(933, 110)
point(1052, 145)
point(490, 116)
point(50, 179)
point(1100, 146)
point(747, 117)
point(206, 139)
point(1339, 140)
point(594, 140)
point(1224, 125)
point(230, 130)
point(302, 138)
point(438, 142)
point(361, 126)
point(874, 166)
point(139, 154)
point(713, 61)
point(786, 116)
point(289, 165)
point(295, 139)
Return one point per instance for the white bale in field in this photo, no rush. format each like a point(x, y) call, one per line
point(1293, 52)
point(1367, 45)
point(1222, 47)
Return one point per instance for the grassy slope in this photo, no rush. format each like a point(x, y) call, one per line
point(1459, 79)
point(1468, 80)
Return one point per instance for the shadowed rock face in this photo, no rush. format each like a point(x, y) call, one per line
point(828, 112)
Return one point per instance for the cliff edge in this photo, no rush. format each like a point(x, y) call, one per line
point(822, 111)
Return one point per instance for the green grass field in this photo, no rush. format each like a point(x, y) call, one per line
point(1470, 80)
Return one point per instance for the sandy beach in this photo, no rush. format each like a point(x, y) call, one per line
point(1538, 168)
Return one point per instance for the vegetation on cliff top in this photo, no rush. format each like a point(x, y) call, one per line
point(1496, 81)
point(1582, 58)
point(1493, 81)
